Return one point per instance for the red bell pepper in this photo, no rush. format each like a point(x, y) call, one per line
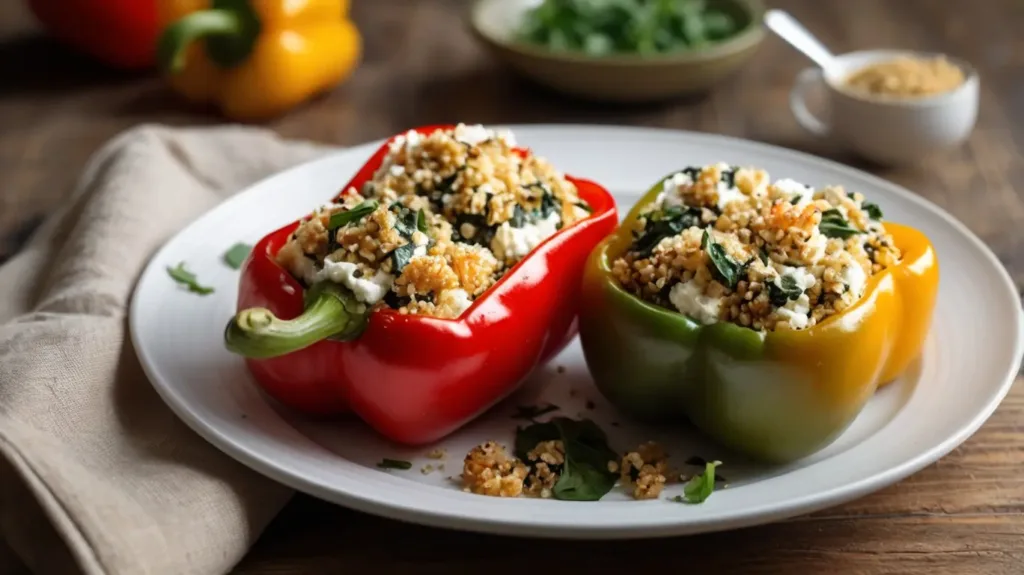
point(120, 33)
point(414, 378)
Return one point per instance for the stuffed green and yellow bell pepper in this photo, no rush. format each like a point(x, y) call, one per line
point(765, 313)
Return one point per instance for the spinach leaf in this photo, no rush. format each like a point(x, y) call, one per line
point(700, 487)
point(729, 177)
point(874, 212)
point(726, 269)
point(235, 256)
point(763, 255)
point(518, 217)
point(394, 464)
point(483, 235)
point(354, 214)
point(786, 290)
point(406, 220)
point(834, 225)
point(584, 475)
point(400, 257)
point(664, 224)
point(187, 279)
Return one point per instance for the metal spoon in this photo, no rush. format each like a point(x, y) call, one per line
point(799, 37)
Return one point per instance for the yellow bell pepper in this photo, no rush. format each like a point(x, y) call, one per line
point(256, 59)
point(774, 397)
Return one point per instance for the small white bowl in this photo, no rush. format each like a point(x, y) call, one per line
point(887, 130)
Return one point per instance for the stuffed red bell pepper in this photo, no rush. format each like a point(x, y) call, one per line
point(440, 277)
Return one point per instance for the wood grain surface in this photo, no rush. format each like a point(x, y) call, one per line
point(964, 514)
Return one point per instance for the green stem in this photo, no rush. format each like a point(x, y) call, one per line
point(331, 312)
point(176, 38)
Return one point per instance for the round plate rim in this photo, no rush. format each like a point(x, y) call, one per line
point(567, 529)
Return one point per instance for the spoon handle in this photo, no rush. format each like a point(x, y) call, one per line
point(799, 37)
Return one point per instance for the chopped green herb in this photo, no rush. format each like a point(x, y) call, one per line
point(518, 219)
point(699, 487)
point(726, 269)
point(400, 257)
point(874, 212)
point(729, 177)
point(235, 256)
point(187, 279)
point(394, 464)
point(795, 200)
point(834, 225)
point(531, 412)
point(787, 289)
point(354, 214)
point(666, 223)
point(585, 207)
point(763, 255)
point(584, 476)
point(698, 461)
point(421, 221)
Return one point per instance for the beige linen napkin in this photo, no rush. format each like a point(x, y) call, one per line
point(96, 474)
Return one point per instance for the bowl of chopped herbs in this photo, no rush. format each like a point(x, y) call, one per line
point(621, 50)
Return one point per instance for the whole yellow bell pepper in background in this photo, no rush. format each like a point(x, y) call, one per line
point(256, 59)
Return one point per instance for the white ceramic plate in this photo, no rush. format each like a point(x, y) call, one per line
point(968, 365)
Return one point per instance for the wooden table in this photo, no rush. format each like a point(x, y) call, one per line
point(964, 514)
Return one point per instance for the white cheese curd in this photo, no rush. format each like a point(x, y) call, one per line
point(689, 300)
point(727, 194)
point(397, 170)
point(508, 137)
point(515, 243)
point(795, 188)
point(367, 290)
point(853, 276)
point(795, 311)
point(409, 140)
point(804, 279)
point(473, 134)
point(419, 251)
point(669, 195)
point(834, 197)
point(457, 299)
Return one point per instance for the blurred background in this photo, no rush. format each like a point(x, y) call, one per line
point(421, 62)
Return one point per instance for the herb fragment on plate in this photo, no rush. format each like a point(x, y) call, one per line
point(874, 212)
point(699, 487)
point(394, 464)
point(666, 223)
point(727, 269)
point(584, 475)
point(787, 289)
point(356, 213)
point(834, 225)
point(187, 279)
point(531, 412)
point(235, 256)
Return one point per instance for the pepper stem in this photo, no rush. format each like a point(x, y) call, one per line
point(230, 29)
point(331, 312)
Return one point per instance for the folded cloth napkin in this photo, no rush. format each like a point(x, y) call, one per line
point(96, 474)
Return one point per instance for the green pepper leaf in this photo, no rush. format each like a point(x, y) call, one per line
point(394, 464)
point(834, 225)
point(787, 289)
point(700, 487)
point(235, 256)
point(726, 269)
point(187, 279)
point(584, 476)
point(354, 214)
point(874, 212)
